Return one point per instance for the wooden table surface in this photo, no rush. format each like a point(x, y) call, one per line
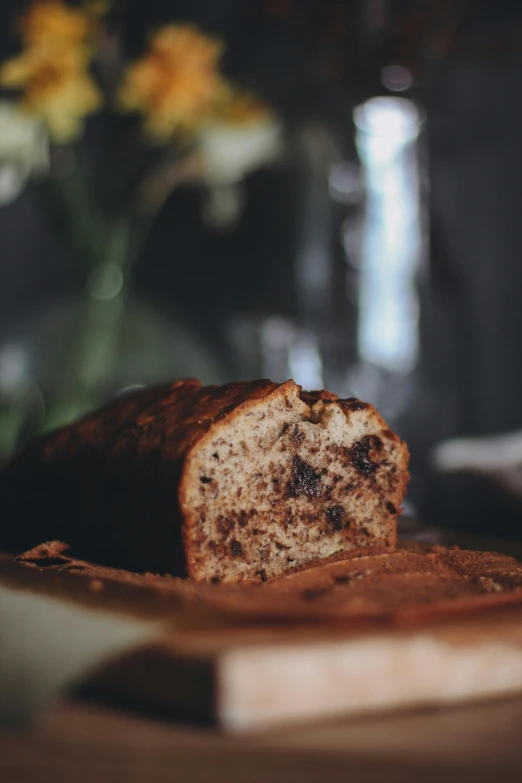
point(85, 742)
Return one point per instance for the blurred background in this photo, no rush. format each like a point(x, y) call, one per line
point(329, 190)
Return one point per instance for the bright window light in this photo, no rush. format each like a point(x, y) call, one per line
point(392, 235)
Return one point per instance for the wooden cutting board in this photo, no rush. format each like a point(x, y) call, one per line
point(250, 658)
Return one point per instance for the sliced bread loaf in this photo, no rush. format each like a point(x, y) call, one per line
point(232, 483)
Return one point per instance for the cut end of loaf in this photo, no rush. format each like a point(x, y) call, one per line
point(289, 480)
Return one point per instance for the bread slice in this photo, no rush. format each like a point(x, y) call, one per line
point(223, 484)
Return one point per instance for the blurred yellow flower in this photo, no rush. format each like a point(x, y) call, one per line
point(51, 72)
point(55, 86)
point(176, 85)
point(50, 22)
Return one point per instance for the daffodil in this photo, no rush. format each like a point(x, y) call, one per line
point(176, 84)
point(241, 137)
point(51, 73)
point(55, 86)
point(52, 22)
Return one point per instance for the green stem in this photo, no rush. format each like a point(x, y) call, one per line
point(92, 356)
point(89, 357)
point(97, 347)
point(83, 221)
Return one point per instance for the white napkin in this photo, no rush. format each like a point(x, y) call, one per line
point(47, 645)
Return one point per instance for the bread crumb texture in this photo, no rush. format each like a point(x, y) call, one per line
point(288, 480)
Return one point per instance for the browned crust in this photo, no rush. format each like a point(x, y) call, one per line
point(94, 482)
point(311, 397)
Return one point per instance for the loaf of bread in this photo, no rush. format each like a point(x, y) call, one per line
point(222, 484)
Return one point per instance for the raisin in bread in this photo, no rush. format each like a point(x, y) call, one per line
point(232, 483)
